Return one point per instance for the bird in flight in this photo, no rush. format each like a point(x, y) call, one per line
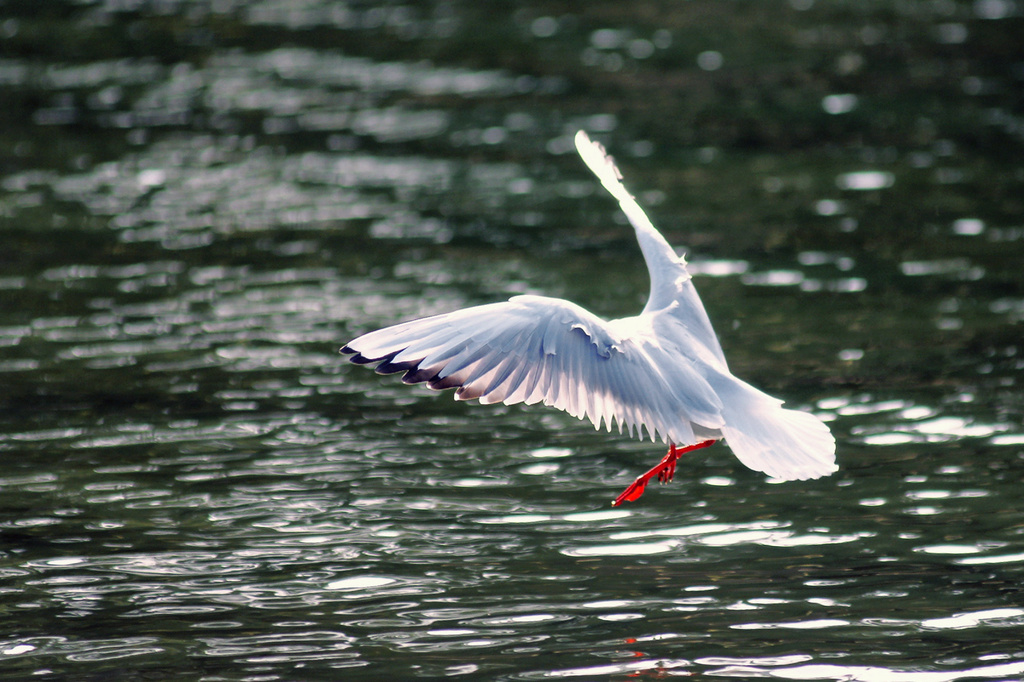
point(662, 371)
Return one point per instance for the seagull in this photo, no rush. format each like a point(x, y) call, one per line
point(662, 371)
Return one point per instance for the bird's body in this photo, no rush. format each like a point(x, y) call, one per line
point(662, 371)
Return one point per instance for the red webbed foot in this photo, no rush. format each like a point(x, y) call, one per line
point(664, 470)
point(633, 492)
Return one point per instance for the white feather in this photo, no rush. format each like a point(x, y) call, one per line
point(662, 372)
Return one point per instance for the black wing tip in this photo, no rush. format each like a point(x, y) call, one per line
point(419, 375)
point(414, 374)
point(441, 383)
point(388, 367)
point(465, 392)
point(359, 359)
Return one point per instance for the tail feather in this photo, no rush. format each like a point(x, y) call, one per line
point(783, 443)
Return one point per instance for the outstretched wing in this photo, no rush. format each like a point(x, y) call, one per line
point(672, 290)
point(534, 349)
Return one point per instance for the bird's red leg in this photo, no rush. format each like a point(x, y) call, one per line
point(664, 470)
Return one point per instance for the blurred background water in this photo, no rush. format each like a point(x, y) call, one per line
point(201, 201)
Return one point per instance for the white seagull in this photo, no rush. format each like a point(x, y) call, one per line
point(663, 370)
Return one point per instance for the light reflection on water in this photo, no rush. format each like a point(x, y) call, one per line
point(195, 485)
point(417, 573)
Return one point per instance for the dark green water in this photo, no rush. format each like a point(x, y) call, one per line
point(201, 202)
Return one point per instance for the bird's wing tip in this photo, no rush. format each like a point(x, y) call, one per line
point(601, 164)
point(582, 139)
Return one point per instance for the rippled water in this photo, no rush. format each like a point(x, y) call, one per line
point(200, 203)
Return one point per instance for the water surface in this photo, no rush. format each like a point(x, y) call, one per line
point(200, 203)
